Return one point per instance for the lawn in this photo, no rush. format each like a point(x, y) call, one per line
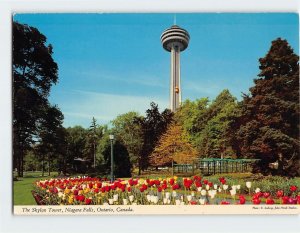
point(22, 187)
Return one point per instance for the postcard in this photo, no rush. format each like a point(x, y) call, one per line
point(155, 113)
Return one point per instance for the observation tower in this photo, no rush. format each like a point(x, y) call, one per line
point(175, 40)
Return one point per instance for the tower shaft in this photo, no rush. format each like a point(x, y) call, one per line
point(175, 88)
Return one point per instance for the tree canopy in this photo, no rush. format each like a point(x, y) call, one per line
point(34, 72)
point(268, 128)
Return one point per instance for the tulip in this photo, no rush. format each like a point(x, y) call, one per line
point(165, 200)
point(232, 192)
point(238, 187)
point(202, 201)
point(167, 195)
point(248, 184)
point(125, 202)
point(293, 188)
point(199, 189)
point(111, 201)
point(131, 197)
point(220, 190)
point(174, 194)
point(266, 194)
point(279, 193)
point(225, 186)
point(203, 192)
point(155, 199)
point(116, 197)
point(270, 201)
point(215, 186)
point(207, 187)
point(189, 198)
point(257, 190)
point(148, 198)
point(177, 202)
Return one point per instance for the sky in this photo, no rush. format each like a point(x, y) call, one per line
point(110, 64)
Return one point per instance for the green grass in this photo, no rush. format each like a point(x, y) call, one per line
point(24, 185)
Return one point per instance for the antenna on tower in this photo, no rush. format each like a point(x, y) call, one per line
point(174, 19)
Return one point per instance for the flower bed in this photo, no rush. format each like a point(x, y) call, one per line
point(170, 191)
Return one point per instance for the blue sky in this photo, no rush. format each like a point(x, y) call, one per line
point(110, 64)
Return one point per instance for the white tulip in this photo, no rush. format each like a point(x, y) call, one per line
point(125, 202)
point(238, 187)
point(199, 189)
point(232, 192)
point(155, 200)
point(169, 201)
point(148, 198)
point(116, 197)
point(248, 184)
point(225, 186)
point(203, 192)
point(167, 195)
point(257, 190)
point(220, 190)
point(177, 202)
point(207, 187)
point(60, 194)
point(215, 186)
point(189, 197)
point(111, 201)
point(233, 187)
point(174, 194)
point(165, 200)
point(202, 201)
point(131, 198)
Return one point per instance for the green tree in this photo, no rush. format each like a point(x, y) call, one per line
point(153, 126)
point(130, 133)
point(94, 133)
point(269, 126)
point(34, 72)
point(122, 165)
point(50, 136)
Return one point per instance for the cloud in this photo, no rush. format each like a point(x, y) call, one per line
point(81, 106)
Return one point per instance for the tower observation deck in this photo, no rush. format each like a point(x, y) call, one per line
point(175, 40)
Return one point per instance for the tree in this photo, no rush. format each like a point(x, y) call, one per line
point(93, 136)
point(122, 165)
point(209, 125)
point(153, 126)
point(173, 146)
point(51, 136)
point(269, 126)
point(130, 133)
point(34, 72)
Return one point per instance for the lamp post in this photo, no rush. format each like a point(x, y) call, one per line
point(111, 137)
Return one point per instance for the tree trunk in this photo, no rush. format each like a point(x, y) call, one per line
point(48, 164)
point(43, 170)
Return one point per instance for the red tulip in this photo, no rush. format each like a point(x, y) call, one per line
point(285, 200)
point(193, 203)
point(75, 192)
point(225, 203)
point(293, 188)
point(279, 193)
point(256, 201)
point(88, 201)
point(159, 189)
point(242, 200)
point(266, 194)
point(298, 199)
point(292, 201)
point(171, 181)
point(270, 201)
point(205, 182)
point(96, 190)
point(129, 189)
point(198, 184)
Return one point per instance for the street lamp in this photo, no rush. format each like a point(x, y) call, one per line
point(111, 137)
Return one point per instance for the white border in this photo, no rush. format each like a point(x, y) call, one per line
point(74, 224)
